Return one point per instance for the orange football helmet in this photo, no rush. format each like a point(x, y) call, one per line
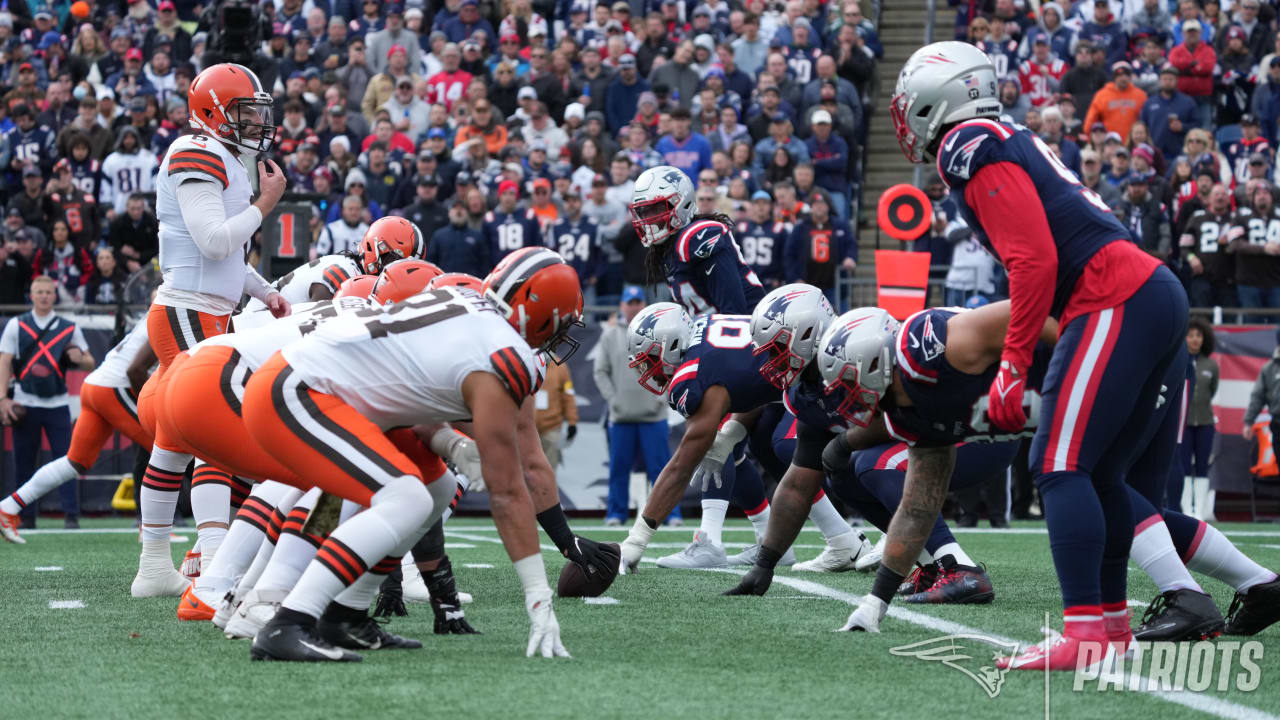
point(389, 239)
point(457, 279)
point(360, 286)
point(228, 102)
point(403, 279)
point(540, 296)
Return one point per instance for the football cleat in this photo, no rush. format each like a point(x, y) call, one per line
point(747, 557)
point(870, 560)
point(227, 608)
point(1255, 610)
point(1060, 653)
point(191, 607)
point(190, 567)
point(700, 553)
point(354, 630)
point(1177, 615)
point(840, 554)
point(956, 585)
point(920, 579)
point(450, 619)
point(167, 582)
point(296, 640)
point(9, 525)
point(414, 587)
point(255, 611)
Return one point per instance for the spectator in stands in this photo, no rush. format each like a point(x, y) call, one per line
point(1146, 216)
point(1118, 103)
point(134, 234)
point(623, 94)
point(819, 245)
point(1211, 263)
point(1105, 32)
point(830, 156)
point(1170, 113)
point(1091, 177)
point(972, 269)
point(40, 339)
point(459, 247)
point(68, 264)
point(106, 285)
point(1053, 131)
point(1015, 104)
point(1195, 61)
point(1086, 78)
point(396, 34)
point(1259, 36)
point(637, 418)
point(1257, 274)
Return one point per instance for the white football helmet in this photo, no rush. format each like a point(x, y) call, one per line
point(657, 339)
point(856, 356)
point(941, 84)
point(787, 325)
point(661, 204)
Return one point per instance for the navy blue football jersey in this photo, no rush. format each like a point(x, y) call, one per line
point(578, 242)
point(507, 232)
point(1081, 223)
point(948, 406)
point(761, 245)
point(720, 353)
point(707, 273)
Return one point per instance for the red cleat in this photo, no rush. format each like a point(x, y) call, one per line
point(1083, 649)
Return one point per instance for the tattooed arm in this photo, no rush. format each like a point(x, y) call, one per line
point(925, 490)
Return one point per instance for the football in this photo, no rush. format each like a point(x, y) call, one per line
point(576, 582)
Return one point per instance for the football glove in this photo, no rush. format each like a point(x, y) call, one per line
point(755, 582)
point(711, 469)
point(544, 630)
point(466, 458)
point(1004, 399)
point(587, 553)
point(867, 617)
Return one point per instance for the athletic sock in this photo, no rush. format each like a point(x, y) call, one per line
point(48, 477)
point(359, 595)
point(957, 553)
point(1084, 622)
point(210, 508)
point(826, 517)
point(712, 525)
point(1074, 517)
point(759, 517)
point(1153, 551)
point(295, 548)
point(159, 498)
point(1215, 556)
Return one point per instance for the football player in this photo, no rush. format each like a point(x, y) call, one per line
point(207, 217)
point(695, 254)
point(1123, 318)
point(108, 402)
point(444, 355)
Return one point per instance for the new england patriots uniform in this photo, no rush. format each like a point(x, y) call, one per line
point(507, 232)
point(762, 245)
point(578, 242)
point(707, 272)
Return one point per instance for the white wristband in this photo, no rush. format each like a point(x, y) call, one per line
point(533, 574)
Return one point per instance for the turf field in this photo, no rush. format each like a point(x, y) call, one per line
point(664, 644)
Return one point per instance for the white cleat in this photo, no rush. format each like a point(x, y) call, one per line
point(166, 582)
point(869, 561)
point(700, 553)
point(255, 611)
point(227, 607)
point(748, 557)
point(414, 587)
point(840, 554)
point(9, 525)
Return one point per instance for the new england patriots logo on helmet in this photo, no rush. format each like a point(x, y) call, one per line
point(650, 321)
point(777, 310)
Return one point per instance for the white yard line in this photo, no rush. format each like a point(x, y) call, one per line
point(65, 605)
point(48, 568)
point(478, 566)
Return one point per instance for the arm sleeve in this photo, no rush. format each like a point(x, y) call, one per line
point(998, 193)
point(214, 233)
point(256, 286)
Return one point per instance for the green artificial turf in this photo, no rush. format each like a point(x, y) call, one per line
point(671, 647)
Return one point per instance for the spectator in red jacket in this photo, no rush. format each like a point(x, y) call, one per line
point(1195, 61)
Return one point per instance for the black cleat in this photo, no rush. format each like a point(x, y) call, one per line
point(920, 579)
point(1178, 615)
point(956, 585)
point(355, 630)
point(292, 637)
point(1252, 612)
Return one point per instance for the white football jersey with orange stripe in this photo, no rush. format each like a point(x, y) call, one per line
point(329, 271)
point(188, 274)
point(405, 364)
point(113, 372)
point(259, 335)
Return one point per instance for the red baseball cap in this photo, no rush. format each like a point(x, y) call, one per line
point(511, 38)
point(166, 5)
point(133, 54)
point(541, 183)
point(508, 186)
point(396, 48)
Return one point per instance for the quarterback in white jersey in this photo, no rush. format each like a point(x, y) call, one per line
point(203, 203)
point(316, 280)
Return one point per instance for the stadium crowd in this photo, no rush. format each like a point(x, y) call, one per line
point(493, 126)
point(1168, 110)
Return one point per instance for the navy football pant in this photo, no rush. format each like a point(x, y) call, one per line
point(54, 425)
point(1109, 385)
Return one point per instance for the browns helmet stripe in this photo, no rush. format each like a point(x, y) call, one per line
point(506, 284)
point(253, 77)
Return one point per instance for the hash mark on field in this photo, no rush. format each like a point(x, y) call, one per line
point(460, 546)
point(600, 601)
point(478, 566)
point(49, 568)
point(65, 605)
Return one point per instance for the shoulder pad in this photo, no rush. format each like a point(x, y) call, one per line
point(966, 148)
point(699, 240)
